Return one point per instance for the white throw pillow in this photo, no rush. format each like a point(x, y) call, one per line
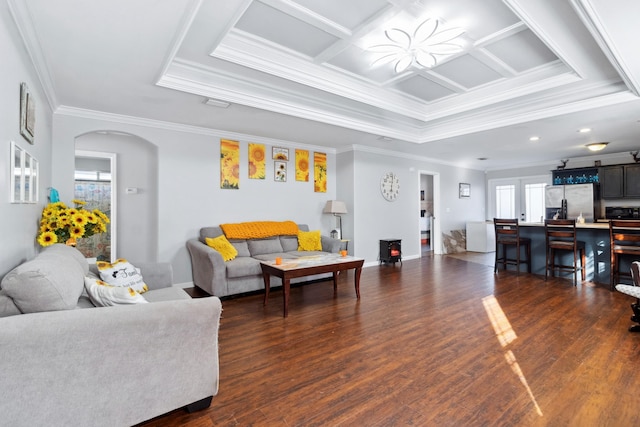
point(123, 274)
point(104, 295)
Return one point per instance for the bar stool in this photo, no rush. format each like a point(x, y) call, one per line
point(624, 236)
point(508, 234)
point(560, 234)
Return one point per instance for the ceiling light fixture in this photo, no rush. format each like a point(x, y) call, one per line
point(597, 146)
point(584, 130)
point(422, 48)
point(534, 138)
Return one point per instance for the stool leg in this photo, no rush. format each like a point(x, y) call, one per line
point(583, 264)
point(528, 259)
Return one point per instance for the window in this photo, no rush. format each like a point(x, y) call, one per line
point(534, 202)
point(505, 197)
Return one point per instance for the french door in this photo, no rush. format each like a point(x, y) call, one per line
point(521, 198)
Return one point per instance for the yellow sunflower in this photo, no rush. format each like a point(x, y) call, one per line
point(76, 231)
point(47, 238)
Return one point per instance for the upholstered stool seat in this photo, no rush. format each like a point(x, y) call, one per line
point(508, 235)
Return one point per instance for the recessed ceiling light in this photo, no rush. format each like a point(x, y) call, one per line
point(584, 130)
point(597, 146)
point(534, 138)
point(482, 158)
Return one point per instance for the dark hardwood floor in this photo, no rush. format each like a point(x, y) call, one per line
point(439, 341)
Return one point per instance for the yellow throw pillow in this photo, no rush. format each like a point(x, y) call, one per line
point(309, 241)
point(222, 245)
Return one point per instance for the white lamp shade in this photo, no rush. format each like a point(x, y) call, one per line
point(335, 207)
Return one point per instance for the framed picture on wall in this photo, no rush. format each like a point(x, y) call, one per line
point(280, 171)
point(27, 113)
point(279, 153)
point(465, 190)
point(17, 174)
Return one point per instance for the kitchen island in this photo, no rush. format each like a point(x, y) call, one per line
point(595, 235)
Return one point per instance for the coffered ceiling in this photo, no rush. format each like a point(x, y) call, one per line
point(305, 71)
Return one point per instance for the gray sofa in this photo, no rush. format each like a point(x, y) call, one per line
point(243, 274)
point(67, 363)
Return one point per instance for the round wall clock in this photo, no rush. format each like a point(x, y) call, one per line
point(390, 186)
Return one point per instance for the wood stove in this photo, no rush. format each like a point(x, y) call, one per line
point(390, 251)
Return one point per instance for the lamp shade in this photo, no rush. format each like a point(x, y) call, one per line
point(335, 207)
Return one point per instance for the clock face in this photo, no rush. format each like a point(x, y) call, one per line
point(390, 186)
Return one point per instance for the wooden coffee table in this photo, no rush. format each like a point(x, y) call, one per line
point(307, 266)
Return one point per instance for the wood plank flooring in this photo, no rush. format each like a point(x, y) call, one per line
point(439, 341)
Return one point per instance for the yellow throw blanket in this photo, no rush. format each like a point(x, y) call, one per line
point(259, 229)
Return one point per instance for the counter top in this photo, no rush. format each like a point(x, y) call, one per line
point(590, 225)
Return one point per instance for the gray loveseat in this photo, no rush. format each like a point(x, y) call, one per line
point(67, 363)
point(244, 274)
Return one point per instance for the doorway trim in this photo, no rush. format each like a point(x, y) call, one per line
point(436, 236)
point(114, 190)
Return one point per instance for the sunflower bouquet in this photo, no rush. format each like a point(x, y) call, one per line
point(61, 224)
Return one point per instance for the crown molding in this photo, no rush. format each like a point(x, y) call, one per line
point(590, 18)
point(22, 18)
point(206, 82)
point(176, 127)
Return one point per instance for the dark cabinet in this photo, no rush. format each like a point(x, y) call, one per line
point(632, 180)
point(611, 182)
point(621, 181)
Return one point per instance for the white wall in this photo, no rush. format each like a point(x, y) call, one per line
point(189, 195)
point(19, 222)
point(137, 219)
point(374, 218)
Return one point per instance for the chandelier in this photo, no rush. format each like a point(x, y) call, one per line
point(427, 43)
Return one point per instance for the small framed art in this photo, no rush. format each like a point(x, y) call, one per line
point(280, 171)
point(464, 189)
point(279, 153)
point(27, 113)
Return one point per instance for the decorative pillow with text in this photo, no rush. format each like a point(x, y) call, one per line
point(122, 274)
point(102, 294)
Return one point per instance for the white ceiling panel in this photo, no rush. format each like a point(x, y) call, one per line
point(522, 51)
point(275, 26)
point(349, 14)
point(423, 88)
point(467, 71)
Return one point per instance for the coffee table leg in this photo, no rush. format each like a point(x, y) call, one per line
point(267, 285)
point(335, 282)
point(286, 287)
point(358, 272)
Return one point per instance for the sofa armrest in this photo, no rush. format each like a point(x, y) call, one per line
point(156, 274)
point(329, 244)
point(208, 268)
point(108, 366)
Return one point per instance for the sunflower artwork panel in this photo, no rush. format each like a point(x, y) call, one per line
point(229, 164)
point(257, 161)
point(302, 165)
point(319, 172)
point(280, 171)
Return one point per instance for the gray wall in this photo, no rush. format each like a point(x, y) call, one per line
point(136, 167)
point(188, 184)
point(19, 222)
point(374, 218)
